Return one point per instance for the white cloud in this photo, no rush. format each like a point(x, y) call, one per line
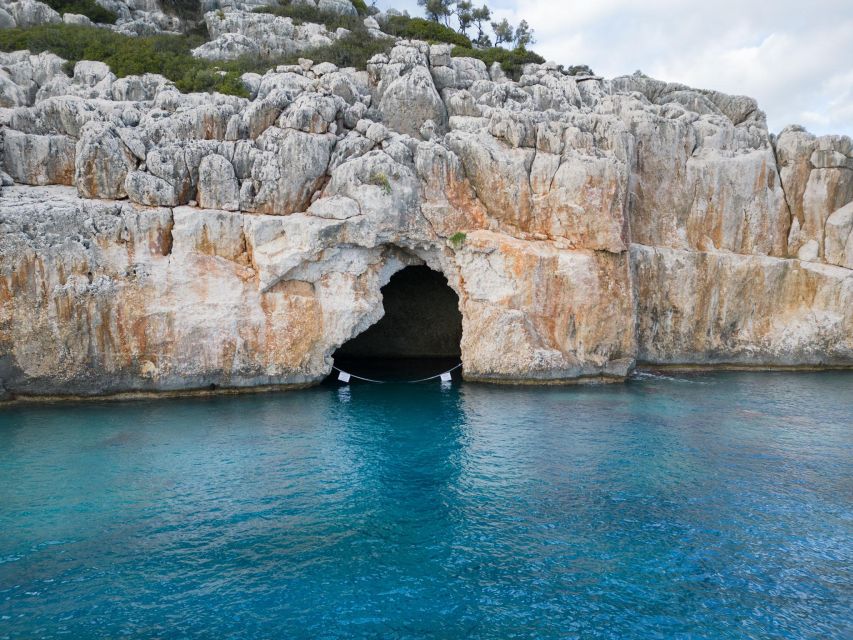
point(794, 57)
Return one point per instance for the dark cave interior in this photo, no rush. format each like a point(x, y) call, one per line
point(419, 333)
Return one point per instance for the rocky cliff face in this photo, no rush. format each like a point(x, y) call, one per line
point(152, 240)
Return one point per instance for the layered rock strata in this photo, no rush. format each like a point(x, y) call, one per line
point(152, 240)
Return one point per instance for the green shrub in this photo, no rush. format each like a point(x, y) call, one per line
point(577, 70)
point(301, 13)
point(361, 7)
point(457, 239)
point(199, 29)
point(72, 42)
point(381, 180)
point(511, 61)
point(420, 29)
point(168, 55)
point(88, 8)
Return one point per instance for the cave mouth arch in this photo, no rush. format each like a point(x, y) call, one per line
point(419, 335)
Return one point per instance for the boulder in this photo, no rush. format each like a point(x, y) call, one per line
point(101, 162)
point(11, 94)
point(817, 175)
point(410, 101)
point(228, 46)
point(217, 184)
point(76, 18)
point(30, 13)
point(7, 21)
point(838, 247)
point(166, 181)
point(288, 170)
point(35, 159)
point(138, 88)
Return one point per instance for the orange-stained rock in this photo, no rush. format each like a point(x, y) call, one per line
point(533, 312)
point(585, 224)
point(723, 308)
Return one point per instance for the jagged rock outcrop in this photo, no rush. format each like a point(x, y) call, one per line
point(344, 7)
point(237, 33)
point(817, 173)
point(585, 224)
point(26, 13)
point(133, 17)
point(102, 161)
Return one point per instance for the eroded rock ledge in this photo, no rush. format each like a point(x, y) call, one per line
point(151, 240)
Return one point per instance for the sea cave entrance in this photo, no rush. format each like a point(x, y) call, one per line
point(418, 336)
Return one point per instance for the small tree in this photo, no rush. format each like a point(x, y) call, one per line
point(465, 15)
point(523, 35)
point(437, 10)
point(480, 17)
point(503, 32)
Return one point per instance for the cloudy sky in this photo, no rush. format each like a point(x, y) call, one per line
point(795, 57)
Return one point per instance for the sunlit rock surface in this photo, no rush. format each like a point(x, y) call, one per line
point(155, 240)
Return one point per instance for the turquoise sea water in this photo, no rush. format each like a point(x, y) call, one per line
point(707, 506)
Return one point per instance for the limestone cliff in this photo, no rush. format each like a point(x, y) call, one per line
point(153, 240)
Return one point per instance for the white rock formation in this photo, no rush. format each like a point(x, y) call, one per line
point(26, 13)
point(212, 240)
point(236, 33)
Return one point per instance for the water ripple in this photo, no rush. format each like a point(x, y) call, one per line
point(656, 509)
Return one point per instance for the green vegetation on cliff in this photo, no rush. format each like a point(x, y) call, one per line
point(168, 55)
point(361, 7)
point(511, 61)
point(420, 29)
point(457, 239)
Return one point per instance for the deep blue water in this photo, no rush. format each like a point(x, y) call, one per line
point(709, 506)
